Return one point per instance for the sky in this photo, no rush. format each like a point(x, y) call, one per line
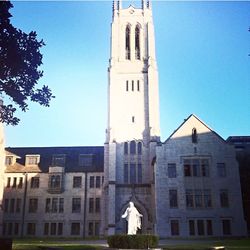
point(202, 55)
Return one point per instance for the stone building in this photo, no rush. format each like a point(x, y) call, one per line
point(186, 186)
point(54, 191)
point(197, 184)
point(242, 148)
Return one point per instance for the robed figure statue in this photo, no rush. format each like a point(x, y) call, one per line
point(133, 217)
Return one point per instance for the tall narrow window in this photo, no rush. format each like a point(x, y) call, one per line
point(137, 43)
point(138, 85)
point(132, 85)
point(132, 147)
point(125, 148)
point(126, 85)
point(125, 173)
point(127, 42)
point(139, 148)
point(139, 173)
point(194, 135)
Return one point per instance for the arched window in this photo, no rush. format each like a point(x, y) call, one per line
point(194, 135)
point(125, 148)
point(127, 43)
point(139, 148)
point(132, 147)
point(137, 43)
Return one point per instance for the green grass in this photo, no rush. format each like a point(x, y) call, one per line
point(74, 244)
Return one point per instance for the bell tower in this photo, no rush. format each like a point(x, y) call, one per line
point(133, 115)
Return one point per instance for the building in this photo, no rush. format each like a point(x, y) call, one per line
point(197, 184)
point(53, 191)
point(186, 186)
point(242, 147)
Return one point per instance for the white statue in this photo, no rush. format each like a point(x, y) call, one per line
point(133, 217)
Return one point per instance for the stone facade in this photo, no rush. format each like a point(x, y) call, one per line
point(133, 117)
point(197, 185)
point(43, 197)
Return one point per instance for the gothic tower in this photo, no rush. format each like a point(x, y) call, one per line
point(133, 117)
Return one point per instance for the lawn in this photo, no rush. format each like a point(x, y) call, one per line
point(35, 244)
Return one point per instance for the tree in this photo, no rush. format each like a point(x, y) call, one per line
point(20, 58)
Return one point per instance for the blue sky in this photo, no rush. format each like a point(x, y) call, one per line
point(202, 53)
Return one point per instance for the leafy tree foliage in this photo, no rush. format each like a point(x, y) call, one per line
point(20, 58)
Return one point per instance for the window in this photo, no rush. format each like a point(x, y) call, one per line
point(137, 42)
point(54, 205)
point(34, 182)
point(125, 148)
point(189, 198)
point(174, 227)
point(8, 182)
point(132, 85)
point(196, 167)
point(133, 119)
point(9, 228)
point(20, 184)
point(12, 205)
point(31, 229)
point(97, 205)
point(200, 227)
point(132, 173)
point(33, 205)
point(126, 85)
point(187, 168)
point(6, 205)
point(205, 167)
point(18, 205)
point(125, 173)
point(59, 228)
point(47, 205)
point(4, 228)
point(86, 160)
point(226, 227)
point(194, 135)
point(55, 181)
point(14, 182)
point(198, 198)
point(58, 160)
point(76, 205)
point(98, 182)
point(171, 170)
point(32, 160)
point(139, 173)
point(132, 147)
point(75, 228)
point(46, 229)
point(209, 227)
point(139, 148)
point(221, 169)
point(173, 201)
point(224, 201)
point(53, 228)
point(138, 85)
point(191, 227)
point(91, 205)
point(16, 229)
point(77, 182)
point(9, 160)
point(97, 228)
point(91, 229)
point(92, 181)
point(61, 205)
point(127, 43)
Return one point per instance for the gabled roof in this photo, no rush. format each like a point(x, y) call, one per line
point(71, 158)
point(195, 117)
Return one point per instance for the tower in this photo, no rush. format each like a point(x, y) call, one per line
point(133, 117)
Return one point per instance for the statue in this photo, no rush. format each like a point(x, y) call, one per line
point(133, 217)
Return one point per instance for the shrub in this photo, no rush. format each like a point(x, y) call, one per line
point(138, 241)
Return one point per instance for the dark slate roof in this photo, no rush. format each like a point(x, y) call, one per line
point(71, 154)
